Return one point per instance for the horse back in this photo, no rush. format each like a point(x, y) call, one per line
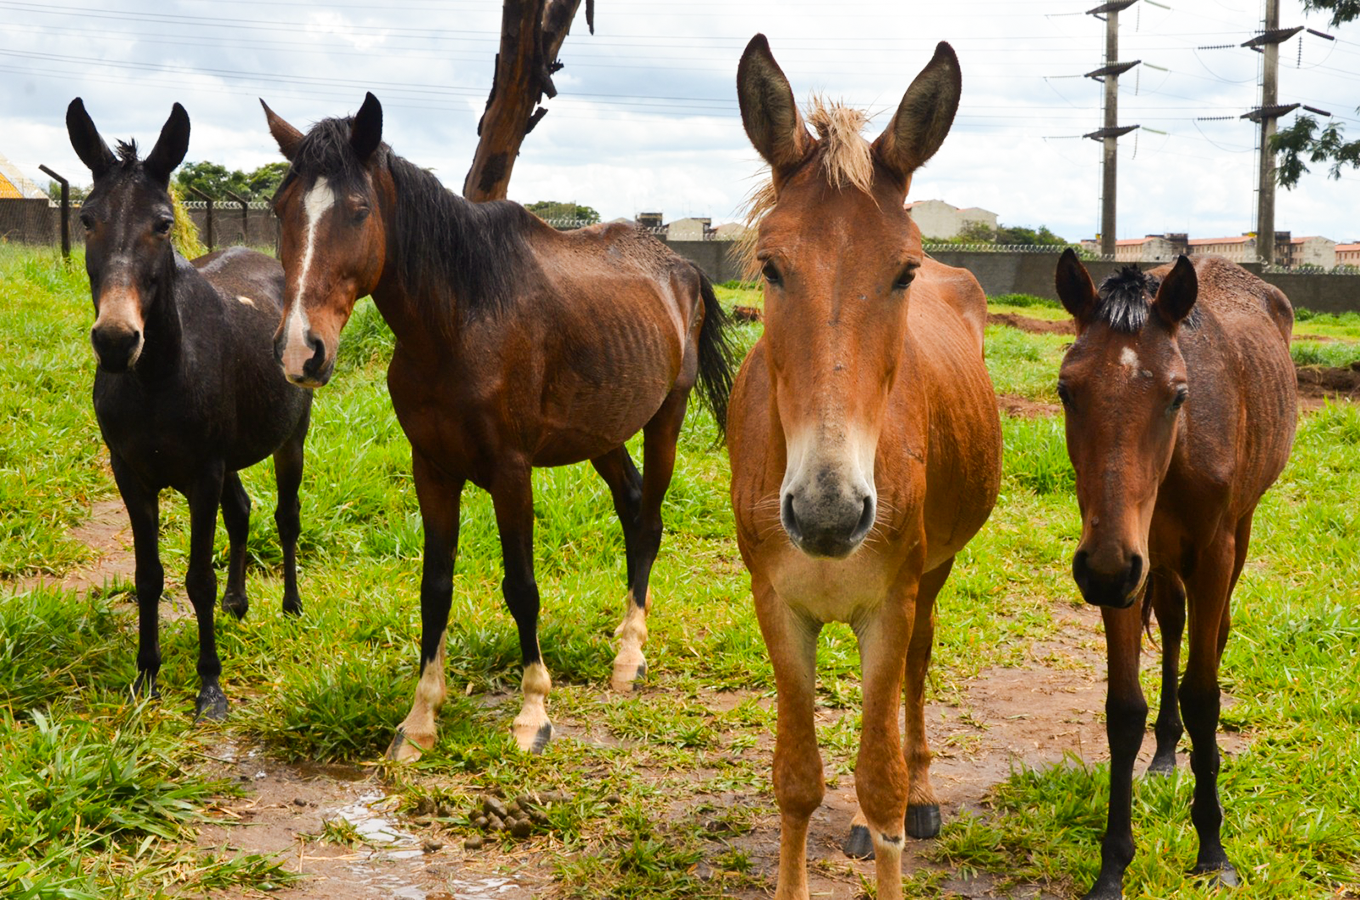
point(237, 272)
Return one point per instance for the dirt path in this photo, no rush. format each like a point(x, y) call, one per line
point(109, 536)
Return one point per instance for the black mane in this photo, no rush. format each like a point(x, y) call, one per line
point(457, 260)
point(1126, 299)
point(127, 151)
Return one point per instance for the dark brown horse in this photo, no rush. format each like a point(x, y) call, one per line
point(1181, 402)
point(864, 438)
point(187, 392)
point(517, 346)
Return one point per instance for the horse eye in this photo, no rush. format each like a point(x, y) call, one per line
point(1181, 394)
point(905, 278)
point(164, 224)
point(86, 221)
point(361, 213)
point(771, 274)
point(1064, 394)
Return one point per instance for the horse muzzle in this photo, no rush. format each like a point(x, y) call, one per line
point(117, 347)
point(309, 366)
point(1113, 583)
point(828, 520)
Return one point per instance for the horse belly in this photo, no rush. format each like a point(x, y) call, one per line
point(589, 420)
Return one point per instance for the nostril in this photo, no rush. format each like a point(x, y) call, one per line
point(318, 357)
point(1135, 570)
point(866, 519)
point(789, 519)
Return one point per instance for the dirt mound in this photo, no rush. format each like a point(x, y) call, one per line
point(1025, 408)
point(1319, 383)
point(1033, 326)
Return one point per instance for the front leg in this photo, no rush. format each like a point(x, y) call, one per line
point(512, 495)
point(1125, 721)
point(1168, 601)
point(201, 583)
point(236, 516)
point(143, 511)
point(440, 497)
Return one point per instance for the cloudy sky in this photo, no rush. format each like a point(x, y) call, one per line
point(647, 117)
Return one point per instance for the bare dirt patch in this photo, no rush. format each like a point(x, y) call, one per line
point(1033, 326)
point(109, 536)
point(1025, 408)
point(1318, 384)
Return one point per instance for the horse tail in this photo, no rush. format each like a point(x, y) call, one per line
point(717, 359)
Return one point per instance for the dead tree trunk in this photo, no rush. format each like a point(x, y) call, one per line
point(532, 32)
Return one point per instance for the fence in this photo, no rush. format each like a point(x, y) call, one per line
point(232, 222)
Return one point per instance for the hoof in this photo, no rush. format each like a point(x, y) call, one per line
point(1104, 891)
point(859, 845)
point(292, 608)
point(1163, 766)
point(1222, 875)
point(236, 604)
point(628, 678)
point(923, 821)
point(145, 688)
point(534, 740)
point(404, 749)
point(211, 705)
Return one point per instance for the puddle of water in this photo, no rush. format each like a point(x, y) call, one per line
point(481, 889)
point(367, 815)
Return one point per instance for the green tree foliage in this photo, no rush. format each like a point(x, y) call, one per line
point(556, 209)
point(1303, 139)
point(77, 192)
point(981, 233)
point(217, 180)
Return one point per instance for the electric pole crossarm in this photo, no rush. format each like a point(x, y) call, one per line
point(1272, 36)
point(1115, 69)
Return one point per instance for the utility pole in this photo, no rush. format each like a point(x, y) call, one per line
point(1112, 131)
point(1267, 43)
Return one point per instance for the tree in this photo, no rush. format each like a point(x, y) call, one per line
point(532, 32)
point(982, 233)
point(76, 192)
point(1303, 137)
point(550, 210)
point(217, 180)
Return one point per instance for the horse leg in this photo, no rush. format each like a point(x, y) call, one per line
point(1167, 597)
point(440, 499)
point(1209, 587)
point(791, 639)
point(201, 583)
point(881, 775)
point(144, 514)
point(1125, 722)
point(923, 810)
point(658, 464)
point(625, 485)
point(236, 516)
point(512, 494)
point(287, 515)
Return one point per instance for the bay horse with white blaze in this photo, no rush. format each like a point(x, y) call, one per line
point(1181, 401)
point(517, 346)
point(187, 392)
point(864, 439)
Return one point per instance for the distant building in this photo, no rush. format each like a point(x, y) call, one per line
point(942, 221)
point(14, 185)
point(1237, 249)
point(730, 231)
point(650, 219)
point(1314, 251)
point(688, 229)
point(1348, 254)
point(1154, 248)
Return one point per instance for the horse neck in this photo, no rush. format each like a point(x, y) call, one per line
point(164, 347)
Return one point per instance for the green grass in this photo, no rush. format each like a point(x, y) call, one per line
point(644, 817)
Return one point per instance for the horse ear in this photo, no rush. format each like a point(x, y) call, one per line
point(924, 116)
point(1178, 292)
point(85, 139)
point(284, 134)
point(365, 134)
point(768, 110)
point(170, 146)
point(1075, 288)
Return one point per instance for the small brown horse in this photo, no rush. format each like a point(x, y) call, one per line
point(517, 346)
point(865, 441)
point(1181, 402)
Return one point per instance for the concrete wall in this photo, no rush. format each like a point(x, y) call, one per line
point(719, 260)
point(35, 222)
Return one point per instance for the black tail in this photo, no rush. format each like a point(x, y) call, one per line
point(716, 358)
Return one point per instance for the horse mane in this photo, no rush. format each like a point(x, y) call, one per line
point(456, 260)
point(1126, 298)
point(127, 151)
point(842, 152)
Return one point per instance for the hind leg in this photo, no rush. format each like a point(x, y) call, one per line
point(658, 465)
point(201, 583)
point(236, 516)
point(625, 485)
point(923, 810)
point(1168, 600)
point(287, 515)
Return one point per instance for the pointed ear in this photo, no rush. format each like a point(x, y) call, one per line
point(1075, 288)
point(924, 116)
point(1178, 292)
point(170, 146)
point(366, 133)
point(89, 146)
point(768, 110)
point(286, 135)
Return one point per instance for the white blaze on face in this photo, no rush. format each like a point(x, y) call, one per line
point(295, 350)
point(1128, 358)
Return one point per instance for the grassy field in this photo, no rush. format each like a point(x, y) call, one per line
point(102, 797)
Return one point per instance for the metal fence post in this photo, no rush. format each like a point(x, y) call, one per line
point(65, 211)
point(209, 200)
point(245, 216)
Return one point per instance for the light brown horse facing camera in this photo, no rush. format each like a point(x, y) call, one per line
point(1181, 401)
point(865, 442)
point(516, 346)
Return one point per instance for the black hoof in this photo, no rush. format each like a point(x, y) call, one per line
point(542, 738)
point(923, 821)
point(292, 608)
point(1221, 875)
point(1104, 892)
point(394, 748)
point(145, 688)
point(859, 845)
point(212, 705)
point(639, 677)
point(1162, 765)
point(236, 604)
